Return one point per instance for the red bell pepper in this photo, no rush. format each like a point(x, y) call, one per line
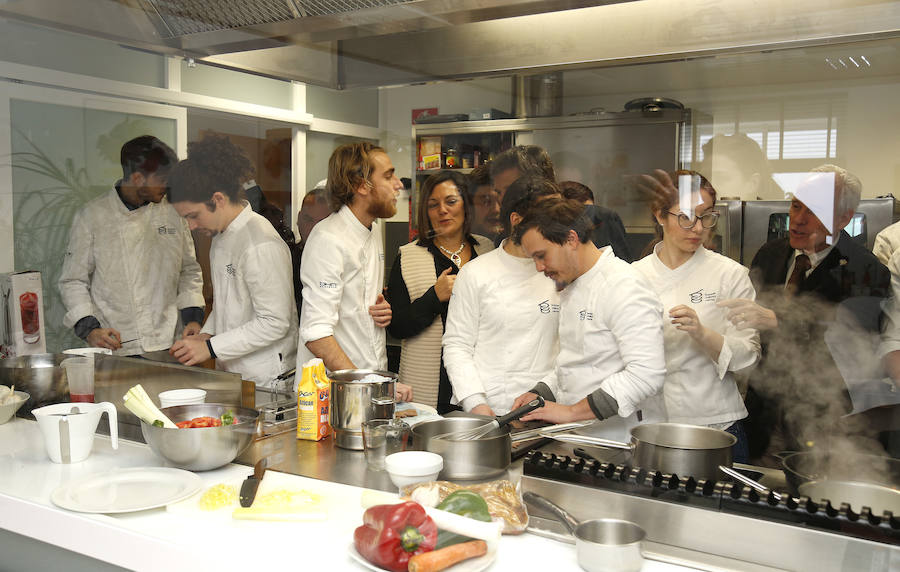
point(393, 533)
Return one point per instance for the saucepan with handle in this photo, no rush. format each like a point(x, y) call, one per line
point(602, 544)
point(676, 448)
point(484, 457)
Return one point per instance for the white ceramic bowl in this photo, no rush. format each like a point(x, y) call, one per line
point(411, 467)
point(9, 409)
point(175, 397)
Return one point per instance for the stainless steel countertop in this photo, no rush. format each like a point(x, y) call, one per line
point(325, 461)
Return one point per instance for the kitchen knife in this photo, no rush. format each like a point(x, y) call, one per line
point(251, 483)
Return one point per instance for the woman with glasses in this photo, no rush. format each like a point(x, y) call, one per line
point(422, 280)
point(703, 348)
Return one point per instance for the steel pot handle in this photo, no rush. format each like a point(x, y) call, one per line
point(748, 481)
point(593, 441)
point(382, 400)
point(542, 502)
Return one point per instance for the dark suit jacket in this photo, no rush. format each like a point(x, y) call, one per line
point(797, 379)
point(849, 270)
point(609, 231)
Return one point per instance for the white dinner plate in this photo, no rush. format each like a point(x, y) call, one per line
point(472, 565)
point(126, 490)
point(423, 412)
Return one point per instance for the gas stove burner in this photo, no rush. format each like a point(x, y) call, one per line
point(723, 496)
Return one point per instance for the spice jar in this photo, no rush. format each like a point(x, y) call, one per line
point(452, 161)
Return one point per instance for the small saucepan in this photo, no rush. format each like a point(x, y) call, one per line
point(603, 544)
point(676, 448)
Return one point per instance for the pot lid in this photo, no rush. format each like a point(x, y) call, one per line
point(653, 104)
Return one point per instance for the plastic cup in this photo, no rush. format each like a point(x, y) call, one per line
point(181, 397)
point(80, 375)
point(383, 437)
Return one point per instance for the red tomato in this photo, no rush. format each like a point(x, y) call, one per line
point(199, 422)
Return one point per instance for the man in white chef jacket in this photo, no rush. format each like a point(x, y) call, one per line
point(252, 328)
point(611, 363)
point(342, 270)
point(129, 268)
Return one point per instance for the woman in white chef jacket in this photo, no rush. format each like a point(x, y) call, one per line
point(252, 328)
point(703, 348)
point(501, 335)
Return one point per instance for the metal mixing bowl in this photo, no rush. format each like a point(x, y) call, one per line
point(39, 375)
point(204, 448)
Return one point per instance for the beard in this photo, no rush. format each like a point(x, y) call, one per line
point(385, 208)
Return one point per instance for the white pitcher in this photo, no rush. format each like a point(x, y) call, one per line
point(69, 428)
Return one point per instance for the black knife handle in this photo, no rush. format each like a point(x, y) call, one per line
point(248, 491)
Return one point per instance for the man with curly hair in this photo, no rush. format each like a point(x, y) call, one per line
point(252, 328)
point(344, 310)
point(130, 269)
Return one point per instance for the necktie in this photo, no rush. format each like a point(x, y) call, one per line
point(801, 265)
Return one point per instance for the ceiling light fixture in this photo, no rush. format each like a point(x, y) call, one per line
point(863, 58)
point(829, 62)
point(854, 61)
point(842, 62)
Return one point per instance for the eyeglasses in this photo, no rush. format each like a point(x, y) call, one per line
point(707, 220)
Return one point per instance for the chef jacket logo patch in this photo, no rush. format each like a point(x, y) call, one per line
point(229, 269)
point(165, 230)
point(546, 307)
point(327, 285)
point(585, 315)
point(700, 296)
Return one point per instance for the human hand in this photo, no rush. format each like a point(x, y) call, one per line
point(191, 329)
point(523, 399)
point(656, 187)
point(381, 312)
point(685, 319)
point(551, 412)
point(744, 313)
point(402, 392)
point(444, 285)
point(483, 409)
point(109, 338)
point(192, 350)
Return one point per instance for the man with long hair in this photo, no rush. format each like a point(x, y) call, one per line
point(342, 269)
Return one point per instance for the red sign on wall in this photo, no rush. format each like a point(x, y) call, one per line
point(423, 112)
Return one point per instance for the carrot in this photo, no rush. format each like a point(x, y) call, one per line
point(437, 560)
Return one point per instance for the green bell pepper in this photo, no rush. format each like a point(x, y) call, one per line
point(464, 503)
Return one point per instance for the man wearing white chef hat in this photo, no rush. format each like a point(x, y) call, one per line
point(344, 310)
point(129, 268)
point(252, 328)
point(611, 363)
point(797, 394)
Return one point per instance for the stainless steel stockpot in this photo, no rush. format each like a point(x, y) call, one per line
point(354, 401)
point(685, 450)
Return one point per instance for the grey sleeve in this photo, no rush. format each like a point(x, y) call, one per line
point(603, 404)
point(544, 391)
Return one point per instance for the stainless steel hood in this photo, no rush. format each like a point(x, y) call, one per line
point(364, 43)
